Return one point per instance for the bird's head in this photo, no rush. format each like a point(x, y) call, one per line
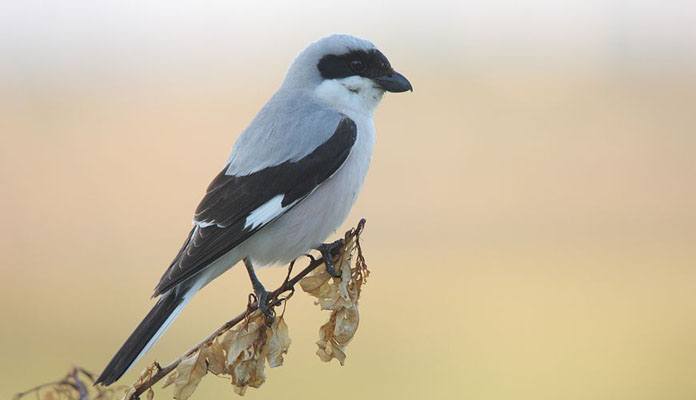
point(346, 72)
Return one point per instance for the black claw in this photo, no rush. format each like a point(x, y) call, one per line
point(262, 301)
point(331, 268)
point(327, 251)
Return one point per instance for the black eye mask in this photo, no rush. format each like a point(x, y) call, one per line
point(368, 64)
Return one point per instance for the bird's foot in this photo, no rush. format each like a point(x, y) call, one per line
point(263, 306)
point(260, 293)
point(327, 251)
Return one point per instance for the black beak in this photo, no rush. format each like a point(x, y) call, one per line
point(394, 82)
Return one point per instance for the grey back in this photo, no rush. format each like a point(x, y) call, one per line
point(288, 127)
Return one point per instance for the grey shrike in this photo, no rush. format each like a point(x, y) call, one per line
point(289, 183)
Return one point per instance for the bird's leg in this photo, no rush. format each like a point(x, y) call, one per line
point(260, 292)
point(327, 250)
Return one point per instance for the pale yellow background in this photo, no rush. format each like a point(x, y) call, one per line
point(531, 205)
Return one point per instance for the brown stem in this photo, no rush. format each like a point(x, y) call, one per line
point(79, 385)
point(72, 380)
point(41, 386)
point(274, 299)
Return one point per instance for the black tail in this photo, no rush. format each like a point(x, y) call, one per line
point(143, 334)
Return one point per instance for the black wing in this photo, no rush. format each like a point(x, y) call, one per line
point(230, 200)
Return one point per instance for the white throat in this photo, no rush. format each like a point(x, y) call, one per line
point(353, 94)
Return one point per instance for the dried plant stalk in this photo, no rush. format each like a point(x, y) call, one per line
point(78, 384)
point(241, 348)
point(340, 296)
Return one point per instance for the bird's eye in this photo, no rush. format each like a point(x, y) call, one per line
point(357, 66)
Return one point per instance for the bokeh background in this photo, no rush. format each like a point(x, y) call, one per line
point(531, 206)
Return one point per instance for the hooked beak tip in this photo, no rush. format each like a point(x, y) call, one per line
point(394, 82)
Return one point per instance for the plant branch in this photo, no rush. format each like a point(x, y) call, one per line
point(71, 381)
point(275, 298)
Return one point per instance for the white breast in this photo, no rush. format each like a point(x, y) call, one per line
point(316, 217)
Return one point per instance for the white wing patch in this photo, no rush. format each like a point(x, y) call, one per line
point(267, 212)
point(205, 224)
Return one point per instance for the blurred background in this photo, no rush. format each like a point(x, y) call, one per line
point(531, 206)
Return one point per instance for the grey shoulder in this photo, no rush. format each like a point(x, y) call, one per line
point(287, 128)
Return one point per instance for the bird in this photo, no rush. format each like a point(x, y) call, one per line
point(289, 183)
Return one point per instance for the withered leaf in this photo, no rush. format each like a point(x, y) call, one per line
point(247, 371)
point(187, 375)
point(278, 342)
point(237, 340)
point(346, 324)
point(328, 349)
point(340, 296)
point(245, 357)
point(313, 282)
point(217, 361)
point(168, 380)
